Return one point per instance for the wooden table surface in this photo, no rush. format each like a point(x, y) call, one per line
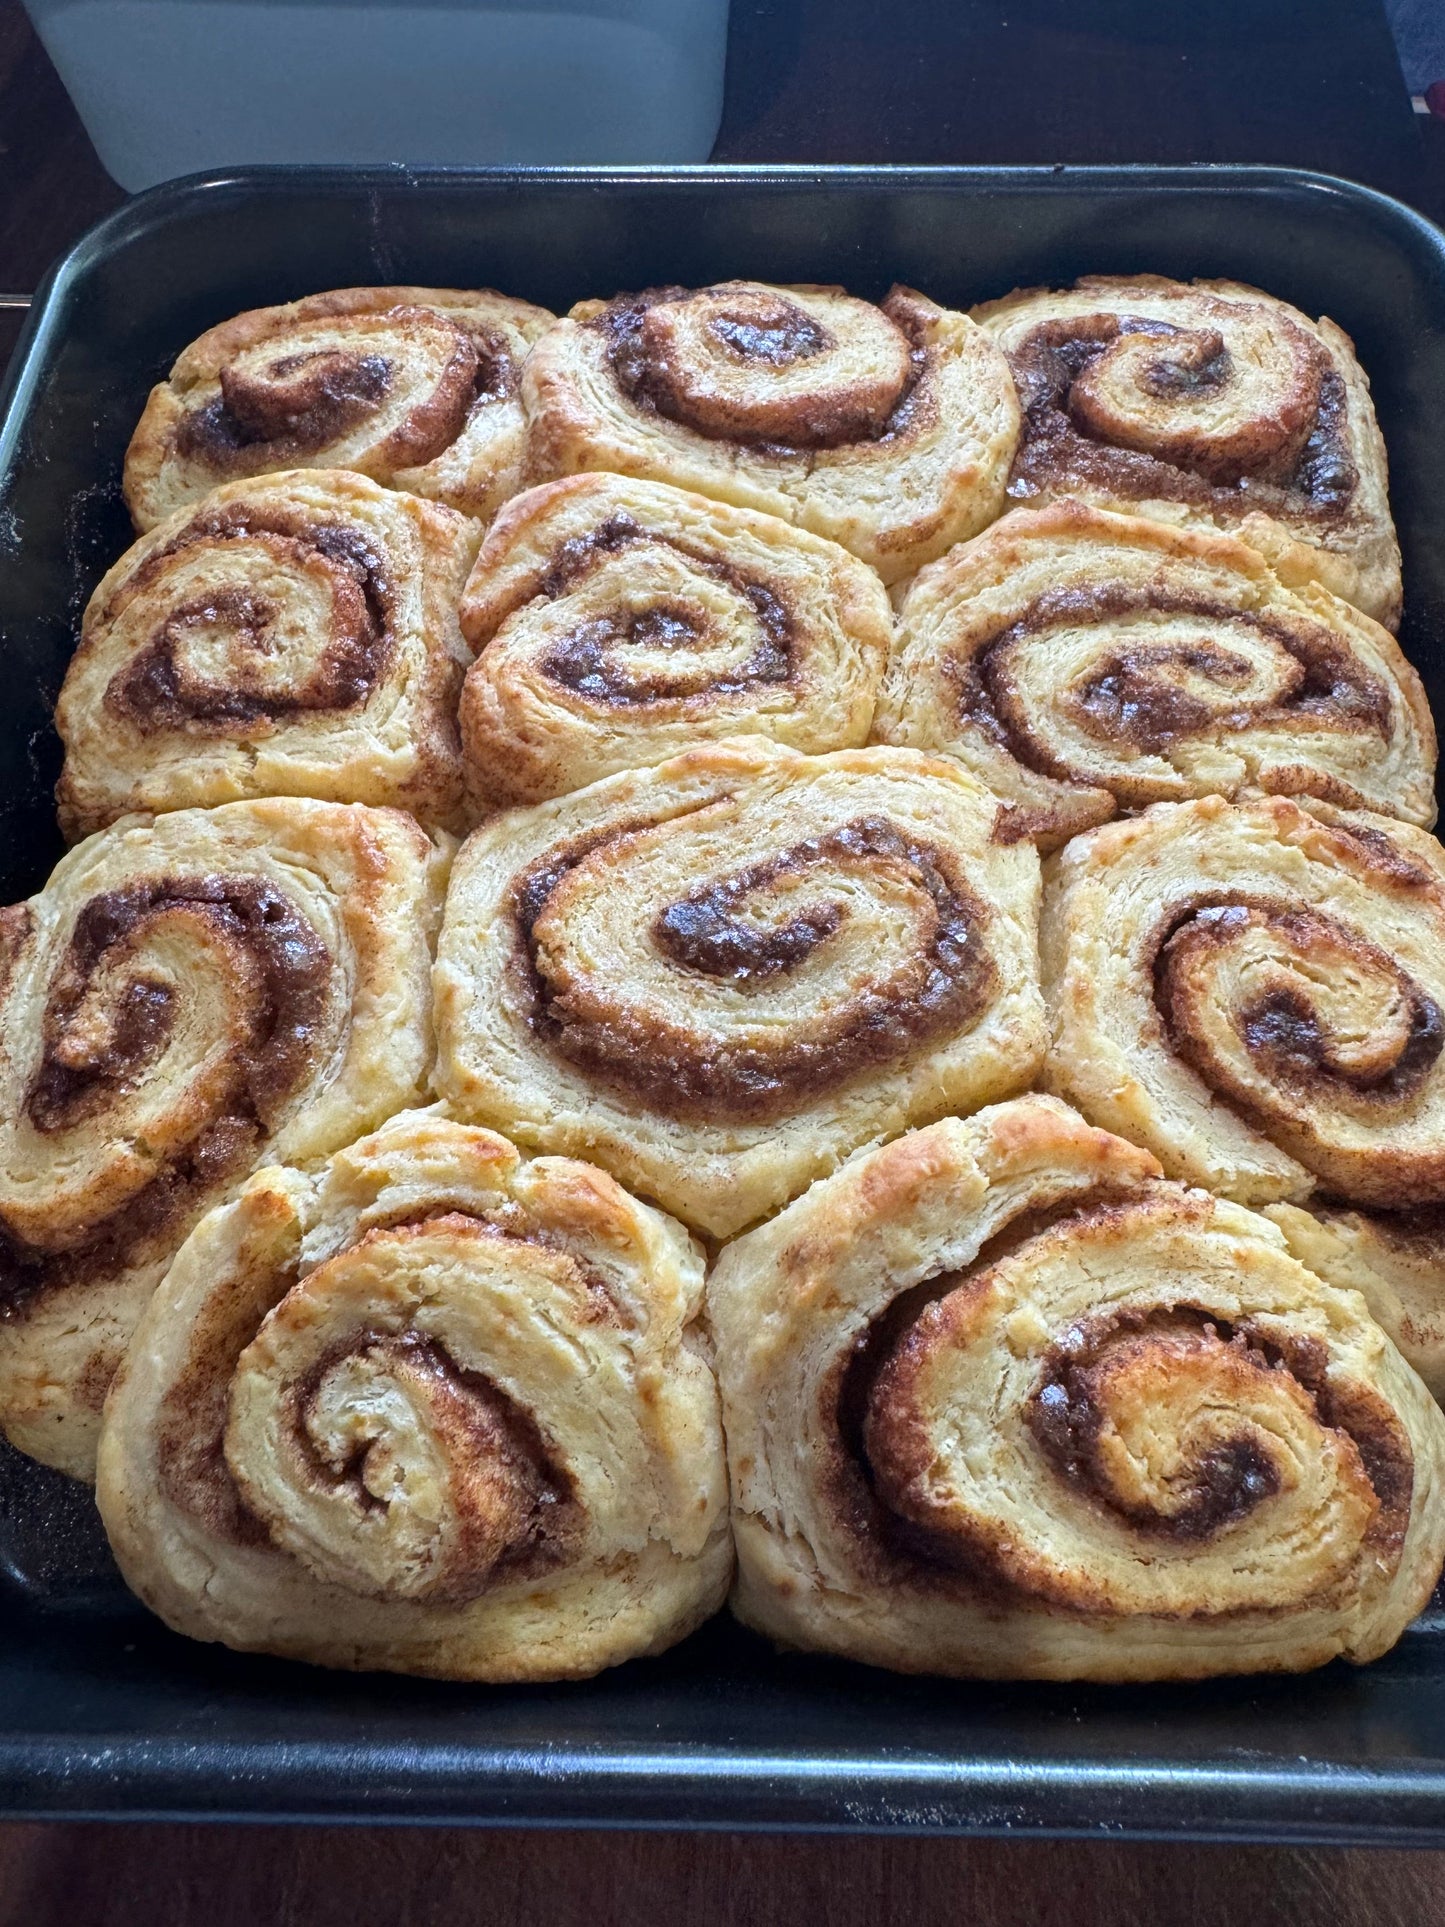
point(1302, 82)
point(164, 1876)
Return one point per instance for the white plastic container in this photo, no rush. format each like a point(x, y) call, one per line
point(166, 87)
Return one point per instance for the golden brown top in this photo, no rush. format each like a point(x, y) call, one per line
point(171, 680)
point(1162, 1421)
point(108, 1020)
point(336, 371)
point(746, 363)
point(629, 657)
point(1084, 662)
point(1146, 408)
point(751, 928)
point(416, 387)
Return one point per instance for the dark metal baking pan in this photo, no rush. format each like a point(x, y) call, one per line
point(101, 1710)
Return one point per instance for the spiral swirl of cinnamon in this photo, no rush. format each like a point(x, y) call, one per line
point(434, 1409)
point(889, 429)
point(1001, 1401)
point(416, 387)
point(1256, 992)
point(720, 975)
point(185, 998)
point(295, 635)
point(1205, 403)
point(618, 622)
point(1081, 663)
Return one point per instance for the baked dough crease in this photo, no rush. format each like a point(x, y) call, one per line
point(888, 428)
point(418, 388)
point(1394, 1259)
point(718, 977)
point(1083, 664)
point(189, 997)
point(1205, 404)
point(1001, 1401)
point(295, 635)
point(433, 1409)
point(618, 622)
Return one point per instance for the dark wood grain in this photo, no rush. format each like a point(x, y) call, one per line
point(288, 1877)
point(1303, 83)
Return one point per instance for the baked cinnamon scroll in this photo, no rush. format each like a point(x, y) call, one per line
point(1205, 403)
point(889, 429)
point(1394, 1259)
point(618, 622)
point(416, 387)
point(1256, 991)
point(294, 635)
point(433, 1410)
point(186, 998)
point(1082, 663)
point(1001, 1402)
point(717, 977)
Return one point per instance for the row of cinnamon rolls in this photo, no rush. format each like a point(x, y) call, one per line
point(311, 633)
point(441, 1386)
point(896, 429)
point(998, 1399)
point(1191, 594)
point(448, 1256)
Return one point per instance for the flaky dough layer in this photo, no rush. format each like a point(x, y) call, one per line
point(416, 387)
point(189, 996)
point(1000, 1401)
point(1256, 992)
point(1084, 664)
point(1205, 403)
point(889, 429)
point(436, 1409)
point(619, 622)
point(295, 635)
point(717, 977)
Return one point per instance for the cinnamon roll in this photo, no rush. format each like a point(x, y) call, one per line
point(296, 635)
point(1205, 403)
point(416, 387)
point(619, 622)
point(717, 977)
point(434, 1409)
point(1081, 663)
point(1256, 991)
point(186, 998)
point(999, 1401)
point(1394, 1259)
point(889, 429)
